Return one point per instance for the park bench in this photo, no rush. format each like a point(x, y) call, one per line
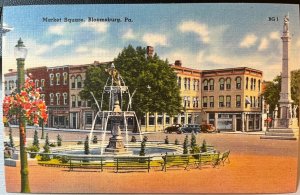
point(202, 159)
point(82, 162)
point(132, 163)
point(224, 157)
point(181, 160)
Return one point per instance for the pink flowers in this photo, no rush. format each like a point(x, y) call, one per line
point(27, 103)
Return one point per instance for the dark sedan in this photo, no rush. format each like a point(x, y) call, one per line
point(173, 128)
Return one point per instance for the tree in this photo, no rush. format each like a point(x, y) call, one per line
point(166, 140)
point(139, 72)
point(143, 146)
point(36, 139)
point(204, 146)
point(95, 139)
point(45, 156)
point(86, 145)
point(11, 139)
point(26, 105)
point(185, 145)
point(193, 140)
point(59, 140)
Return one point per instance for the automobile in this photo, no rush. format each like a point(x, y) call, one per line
point(207, 128)
point(189, 128)
point(173, 128)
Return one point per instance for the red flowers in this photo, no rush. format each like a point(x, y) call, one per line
point(27, 103)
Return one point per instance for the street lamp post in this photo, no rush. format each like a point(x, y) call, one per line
point(20, 55)
point(185, 102)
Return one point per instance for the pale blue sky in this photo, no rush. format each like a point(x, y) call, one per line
point(203, 36)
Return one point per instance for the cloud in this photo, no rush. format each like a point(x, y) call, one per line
point(264, 44)
point(56, 29)
point(81, 49)
point(275, 35)
point(62, 42)
point(100, 27)
point(155, 39)
point(129, 34)
point(298, 43)
point(248, 41)
point(200, 29)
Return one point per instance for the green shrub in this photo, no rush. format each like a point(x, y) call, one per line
point(193, 140)
point(11, 140)
point(33, 148)
point(95, 139)
point(143, 146)
point(86, 145)
point(59, 140)
point(133, 139)
point(166, 140)
point(176, 142)
point(204, 146)
point(185, 145)
point(79, 143)
point(145, 139)
point(64, 159)
point(46, 157)
point(52, 145)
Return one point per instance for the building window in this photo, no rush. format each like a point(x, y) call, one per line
point(258, 102)
point(89, 103)
point(197, 86)
point(65, 75)
point(254, 101)
point(247, 82)
point(211, 84)
point(58, 99)
point(194, 102)
point(222, 84)
point(88, 118)
point(36, 83)
point(5, 85)
point(160, 119)
point(79, 81)
point(43, 83)
point(167, 119)
point(57, 78)
point(221, 101)
point(189, 83)
point(254, 84)
point(211, 101)
point(228, 83)
point(251, 84)
point(204, 102)
point(65, 98)
point(205, 85)
point(185, 83)
point(258, 85)
point(197, 102)
point(43, 97)
point(51, 79)
point(251, 101)
point(151, 119)
point(228, 101)
point(179, 82)
point(73, 82)
point(78, 101)
point(238, 101)
point(238, 83)
point(51, 98)
point(188, 102)
point(73, 98)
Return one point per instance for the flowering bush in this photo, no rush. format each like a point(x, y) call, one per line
point(26, 104)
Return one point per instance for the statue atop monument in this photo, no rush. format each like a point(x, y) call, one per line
point(286, 24)
point(112, 71)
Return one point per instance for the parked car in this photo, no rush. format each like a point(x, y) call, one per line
point(173, 128)
point(207, 128)
point(189, 128)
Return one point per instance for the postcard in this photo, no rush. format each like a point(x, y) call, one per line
point(150, 98)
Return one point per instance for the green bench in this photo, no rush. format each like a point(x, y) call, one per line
point(224, 157)
point(181, 160)
point(132, 163)
point(203, 159)
point(80, 162)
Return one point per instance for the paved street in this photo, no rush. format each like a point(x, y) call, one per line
point(257, 165)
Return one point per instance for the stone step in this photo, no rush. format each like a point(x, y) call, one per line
point(282, 130)
point(280, 134)
point(278, 137)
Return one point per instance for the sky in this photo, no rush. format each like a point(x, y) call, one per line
point(202, 36)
